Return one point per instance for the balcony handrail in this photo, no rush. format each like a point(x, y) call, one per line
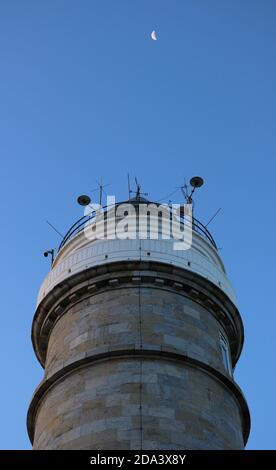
point(80, 224)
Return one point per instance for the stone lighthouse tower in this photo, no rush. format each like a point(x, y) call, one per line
point(139, 342)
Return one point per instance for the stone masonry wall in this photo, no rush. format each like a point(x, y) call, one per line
point(135, 317)
point(131, 402)
point(135, 403)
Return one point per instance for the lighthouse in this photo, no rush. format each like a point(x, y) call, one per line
point(138, 340)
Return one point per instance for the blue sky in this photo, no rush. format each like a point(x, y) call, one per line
point(85, 93)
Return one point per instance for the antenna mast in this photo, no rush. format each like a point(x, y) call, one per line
point(128, 186)
point(195, 182)
point(138, 192)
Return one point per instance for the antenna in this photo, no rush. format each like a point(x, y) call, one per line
point(195, 182)
point(84, 200)
point(184, 190)
point(138, 190)
point(54, 228)
point(128, 187)
point(212, 218)
point(101, 187)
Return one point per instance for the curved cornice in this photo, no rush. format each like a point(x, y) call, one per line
point(129, 274)
point(86, 361)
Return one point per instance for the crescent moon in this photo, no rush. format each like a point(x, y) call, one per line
point(153, 36)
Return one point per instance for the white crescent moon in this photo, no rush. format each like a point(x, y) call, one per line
point(153, 36)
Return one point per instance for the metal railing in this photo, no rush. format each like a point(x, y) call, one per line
point(80, 224)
